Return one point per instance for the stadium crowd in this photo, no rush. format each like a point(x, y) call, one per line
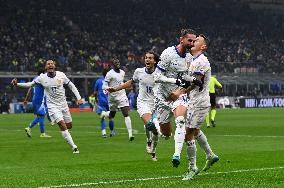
point(84, 35)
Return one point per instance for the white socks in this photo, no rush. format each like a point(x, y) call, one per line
point(155, 139)
point(191, 154)
point(128, 125)
point(103, 132)
point(157, 125)
point(106, 114)
point(67, 136)
point(179, 135)
point(202, 141)
point(148, 134)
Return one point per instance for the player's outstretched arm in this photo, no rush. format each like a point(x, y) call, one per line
point(125, 85)
point(76, 92)
point(14, 82)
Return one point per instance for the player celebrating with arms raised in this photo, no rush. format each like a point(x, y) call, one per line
point(58, 110)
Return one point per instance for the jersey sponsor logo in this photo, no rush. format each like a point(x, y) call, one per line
point(59, 81)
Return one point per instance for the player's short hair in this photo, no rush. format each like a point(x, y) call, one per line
point(206, 39)
point(50, 60)
point(185, 31)
point(115, 59)
point(156, 56)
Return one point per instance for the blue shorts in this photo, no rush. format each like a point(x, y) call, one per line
point(39, 109)
point(102, 107)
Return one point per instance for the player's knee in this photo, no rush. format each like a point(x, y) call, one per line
point(190, 143)
point(69, 125)
point(180, 121)
point(150, 126)
point(124, 111)
point(166, 129)
point(112, 114)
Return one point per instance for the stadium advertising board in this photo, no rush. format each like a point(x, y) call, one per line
point(265, 102)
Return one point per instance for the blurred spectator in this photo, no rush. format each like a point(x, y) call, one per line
point(85, 35)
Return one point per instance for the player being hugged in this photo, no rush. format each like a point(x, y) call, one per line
point(171, 69)
point(145, 100)
point(52, 82)
point(198, 106)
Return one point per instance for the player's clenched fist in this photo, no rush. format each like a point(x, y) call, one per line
point(14, 82)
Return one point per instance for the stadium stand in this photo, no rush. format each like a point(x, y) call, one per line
point(82, 36)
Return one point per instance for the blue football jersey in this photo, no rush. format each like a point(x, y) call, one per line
point(102, 97)
point(38, 94)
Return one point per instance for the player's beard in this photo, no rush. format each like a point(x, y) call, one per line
point(188, 48)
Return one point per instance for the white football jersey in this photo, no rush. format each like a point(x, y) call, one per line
point(53, 88)
point(172, 65)
point(113, 79)
point(146, 84)
point(200, 66)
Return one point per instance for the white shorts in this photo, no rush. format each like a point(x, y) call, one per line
point(181, 101)
point(144, 107)
point(59, 113)
point(163, 110)
point(117, 102)
point(196, 116)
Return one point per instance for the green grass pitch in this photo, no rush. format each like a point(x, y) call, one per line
point(249, 142)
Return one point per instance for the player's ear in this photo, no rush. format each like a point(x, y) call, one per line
point(204, 47)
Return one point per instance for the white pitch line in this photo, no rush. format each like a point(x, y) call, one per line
point(157, 178)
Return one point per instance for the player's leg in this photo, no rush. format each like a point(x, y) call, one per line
point(33, 122)
point(64, 121)
point(164, 114)
point(100, 110)
point(213, 109)
point(111, 122)
point(31, 125)
point(127, 120)
point(211, 158)
point(207, 119)
point(193, 122)
point(123, 104)
point(191, 154)
point(148, 119)
point(179, 111)
point(41, 114)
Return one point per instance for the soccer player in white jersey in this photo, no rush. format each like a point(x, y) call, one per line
point(58, 110)
point(118, 99)
point(198, 108)
point(175, 61)
point(145, 100)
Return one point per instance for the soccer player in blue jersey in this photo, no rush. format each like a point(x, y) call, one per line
point(102, 105)
point(39, 106)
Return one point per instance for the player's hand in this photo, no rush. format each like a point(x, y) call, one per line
point(25, 103)
point(198, 83)
point(80, 101)
point(182, 83)
point(173, 96)
point(14, 82)
point(111, 89)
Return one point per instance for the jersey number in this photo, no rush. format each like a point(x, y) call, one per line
point(54, 89)
point(149, 89)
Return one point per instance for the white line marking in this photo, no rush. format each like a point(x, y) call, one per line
point(135, 131)
point(158, 178)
